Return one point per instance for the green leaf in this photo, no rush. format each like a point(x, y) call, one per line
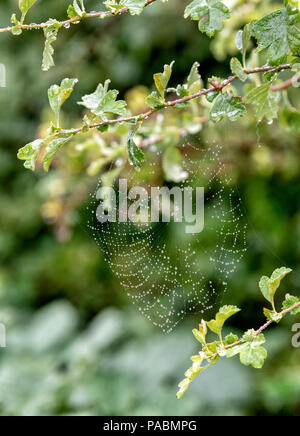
point(53, 147)
point(171, 163)
point(183, 385)
point(272, 315)
point(201, 333)
point(30, 153)
point(211, 95)
point(57, 95)
point(194, 82)
point(289, 301)
point(278, 34)
point(50, 33)
point(224, 313)
point(227, 106)
point(154, 101)
point(242, 41)
point(237, 69)
point(264, 287)
point(103, 102)
point(275, 279)
point(135, 154)
point(24, 6)
point(269, 286)
point(157, 98)
point(266, 103)
point(210, 14)
point(194, 370)
point(161, 80)
point(135, 7)
point(75, 10)
point(252, 353)
point(230, 339)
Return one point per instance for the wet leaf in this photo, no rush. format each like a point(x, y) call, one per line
point(210, 14)
point(226, 106)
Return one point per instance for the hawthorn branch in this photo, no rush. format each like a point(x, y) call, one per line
point(261, 329)
point(173, 103)
point(101, 14)
point(289, 82)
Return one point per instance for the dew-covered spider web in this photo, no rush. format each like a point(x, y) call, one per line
point(166, 272)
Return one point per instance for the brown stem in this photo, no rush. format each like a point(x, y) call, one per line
point(289, 82)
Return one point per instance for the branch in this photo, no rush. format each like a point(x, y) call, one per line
point(293, 80)
point(261, 329)
point(101, 14)
point(173, 103)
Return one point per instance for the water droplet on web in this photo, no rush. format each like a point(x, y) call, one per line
point(166, 272)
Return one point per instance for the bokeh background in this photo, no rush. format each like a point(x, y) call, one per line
point(75, 344)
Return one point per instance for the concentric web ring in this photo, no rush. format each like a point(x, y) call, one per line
point(166, 272)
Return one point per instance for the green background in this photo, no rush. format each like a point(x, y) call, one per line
point(75, 344)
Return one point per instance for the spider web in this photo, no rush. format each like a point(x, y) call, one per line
point(166, 272)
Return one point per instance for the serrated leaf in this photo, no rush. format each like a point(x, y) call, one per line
point(154, 101)
point(275, 279)
point(200, 334)
point(103, 102)
point(251, 351)
point(231, 339)
point(30, 153)
point(272, 315)
point(269, 286)
point(194, 82)
point(161, 80)
point(183, 385)
point(266, 104)
point(58, 94)
point(135, 154)
point(53, 147)
point(210, 14)
point(135, 7)
point(226, 106)
point(50, 33)
point(237, 69)
point(278, 34)
point(75, 10)
point(254, 355)
point(216, 325)
point(172, 167)
point(289, 301)
point(211, 95)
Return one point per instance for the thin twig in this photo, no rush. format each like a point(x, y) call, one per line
point(101, 14)
point(261, 329)
point(289, 82)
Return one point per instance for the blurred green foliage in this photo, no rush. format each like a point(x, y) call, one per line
point(74, 343)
